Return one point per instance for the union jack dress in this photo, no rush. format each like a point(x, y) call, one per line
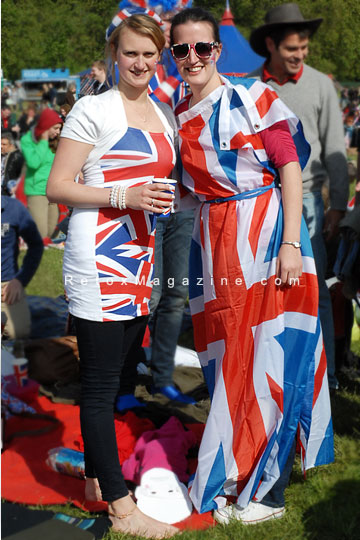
point(260, 345)
point(109, 254)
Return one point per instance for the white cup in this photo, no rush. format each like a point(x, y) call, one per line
point(172, 183)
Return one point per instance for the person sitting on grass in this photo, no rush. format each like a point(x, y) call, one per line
point(16, 221)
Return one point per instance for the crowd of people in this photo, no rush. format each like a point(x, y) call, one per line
point(247, 243)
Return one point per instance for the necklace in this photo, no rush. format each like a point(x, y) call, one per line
point(134, 106)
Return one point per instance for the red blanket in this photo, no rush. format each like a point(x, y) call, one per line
point(27, 479)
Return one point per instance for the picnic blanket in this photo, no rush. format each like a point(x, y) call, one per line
point(27, 479)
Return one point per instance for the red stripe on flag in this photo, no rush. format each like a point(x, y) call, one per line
point(128, 289)
point(319, 376)
point(162, 96)
point(264, 102)
point(194, 158)
point(109, 214)
point(257, 220)
point(239, 140)
point(114, 306)
point(102, 234)
point(131, 157)
point(277, 392)
point(302, 297)
point(111, 270)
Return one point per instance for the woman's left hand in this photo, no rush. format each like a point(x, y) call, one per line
point(289, 264)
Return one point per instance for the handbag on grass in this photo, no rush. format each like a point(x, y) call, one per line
point(53, 360)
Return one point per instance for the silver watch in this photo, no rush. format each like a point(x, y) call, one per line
point(295, 244)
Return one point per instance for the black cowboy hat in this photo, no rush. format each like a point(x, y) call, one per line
point(279, 17)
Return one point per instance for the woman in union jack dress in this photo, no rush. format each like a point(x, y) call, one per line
point(253, 285)
point(120, 140)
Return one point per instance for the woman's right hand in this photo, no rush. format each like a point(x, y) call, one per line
point(149, 197)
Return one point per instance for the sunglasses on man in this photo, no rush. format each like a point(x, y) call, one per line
point(202, 49)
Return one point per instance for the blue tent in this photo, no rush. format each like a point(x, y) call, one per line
point(237, 57)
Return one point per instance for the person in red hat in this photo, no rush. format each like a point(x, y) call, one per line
point(39, 158)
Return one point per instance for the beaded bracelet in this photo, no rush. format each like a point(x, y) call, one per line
point(117, 197)
point(114, 195)
point(122, 201)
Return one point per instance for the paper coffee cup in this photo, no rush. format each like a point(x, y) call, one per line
point(20, 366)
point(172, 183)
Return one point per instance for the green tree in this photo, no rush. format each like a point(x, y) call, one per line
point(335, 48)
point(70, 33)
point(50, 33)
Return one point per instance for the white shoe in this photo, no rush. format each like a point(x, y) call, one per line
point(252, 514)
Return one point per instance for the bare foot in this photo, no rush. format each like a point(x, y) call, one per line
point(137, 523)
point(92, 490)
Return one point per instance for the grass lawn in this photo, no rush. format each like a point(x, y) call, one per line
point(325, 506)
point(48, 278)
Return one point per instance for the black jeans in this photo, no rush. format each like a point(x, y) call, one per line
point(106, 349)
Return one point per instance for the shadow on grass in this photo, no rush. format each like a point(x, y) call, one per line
point(337, 517)
point(350, 380)
point(345, 405)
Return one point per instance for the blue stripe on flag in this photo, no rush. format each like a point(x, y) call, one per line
point(262, 464)
point(209, 376)
point(243, 81)
point(306, 411)
point(276, 238)
point(226, 158)
point(303, 148)
point(113, 241)
point(196, 271)
point(216, 478)
point(296, 344)
point(326, 451)
point(129, 310)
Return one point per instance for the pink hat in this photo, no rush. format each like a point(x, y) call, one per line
point(48, 118)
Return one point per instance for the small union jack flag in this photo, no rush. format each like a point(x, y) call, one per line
point(21, 372)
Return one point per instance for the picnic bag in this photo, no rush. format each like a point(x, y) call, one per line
point(53, 360)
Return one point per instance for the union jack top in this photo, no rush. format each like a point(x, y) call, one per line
point(109, 254)
point(245, 110)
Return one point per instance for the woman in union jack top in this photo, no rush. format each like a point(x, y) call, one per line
point(253, 285)
point(121, 140)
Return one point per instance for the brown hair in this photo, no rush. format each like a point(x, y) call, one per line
point(141, 24)
point(66, 107)
point(279, 34)
point(196, 14)
point(100, 64)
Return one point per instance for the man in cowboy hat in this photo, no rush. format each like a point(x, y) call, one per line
point(284, 41)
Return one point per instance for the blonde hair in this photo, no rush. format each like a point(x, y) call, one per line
point(140, 24)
